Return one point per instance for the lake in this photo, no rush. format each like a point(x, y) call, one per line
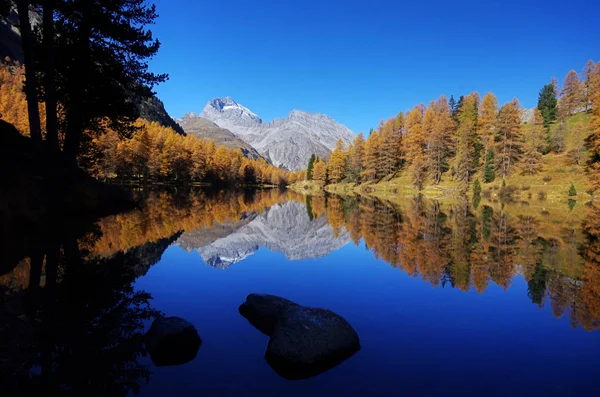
point(448, 297)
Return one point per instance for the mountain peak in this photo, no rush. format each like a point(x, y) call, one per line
point(226, 107)
point(297, 112)
point(301, 113)
point(190, 115)
point(186, 118)
point(287, 142)
point(220, 103)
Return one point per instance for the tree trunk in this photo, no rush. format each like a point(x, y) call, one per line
point(48, 323)
point(30, 79)
point(77, 90)
point(50, 77)
point(35, 273)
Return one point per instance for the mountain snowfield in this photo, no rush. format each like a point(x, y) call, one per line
point(287, 142)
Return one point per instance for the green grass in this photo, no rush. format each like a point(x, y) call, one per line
point(308, 187)
point(552, 182)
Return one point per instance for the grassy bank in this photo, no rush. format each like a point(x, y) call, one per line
point(312, 188)
point(551, 185)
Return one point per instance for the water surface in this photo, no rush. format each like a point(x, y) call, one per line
point(446, 297)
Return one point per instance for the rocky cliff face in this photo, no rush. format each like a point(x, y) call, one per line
point(202, 128)
point(153, 109)
point(284, 228)
point(288, 142)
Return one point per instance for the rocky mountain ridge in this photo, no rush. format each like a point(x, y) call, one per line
point(206, 129)
point(287, 142)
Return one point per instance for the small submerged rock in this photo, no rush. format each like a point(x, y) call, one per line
point(172, 341)
point(305, 341)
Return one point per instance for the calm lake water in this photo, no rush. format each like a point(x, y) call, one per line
point(448, 298)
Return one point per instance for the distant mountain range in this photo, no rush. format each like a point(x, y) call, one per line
point(287, 142)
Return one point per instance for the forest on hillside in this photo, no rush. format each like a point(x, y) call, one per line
point(149, 153)
point(94, 122)
point(474, 140)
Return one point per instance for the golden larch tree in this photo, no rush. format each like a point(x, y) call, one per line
point(508, 146)
point(534, 135)
point(594, 143)
point(390, 146)
point(320, 172)
point(587, 86)
point(336, 167)
point(571, 94)
point(414, 137)
point(221, 162)
point(439, 128)
point(487, 120)
point(371, 157)
point(355, 157)
point(398, 133)
point(414, 146)
point(467, 143)
point(13, 104)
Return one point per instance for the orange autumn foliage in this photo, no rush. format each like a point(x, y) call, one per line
point(13, 105)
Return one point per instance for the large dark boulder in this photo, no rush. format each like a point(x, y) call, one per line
point(265, 311)
point(305, 341)
point(172, 341)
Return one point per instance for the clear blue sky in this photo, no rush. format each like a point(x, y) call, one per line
point(360, 61)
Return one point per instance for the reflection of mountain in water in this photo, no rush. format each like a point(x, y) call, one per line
point(284, 228)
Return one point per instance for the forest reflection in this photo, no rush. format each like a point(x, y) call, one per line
point(71, 320)
point(67, 296)
point(466, 248)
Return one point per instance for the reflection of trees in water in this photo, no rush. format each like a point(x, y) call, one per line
point(162, 214)
point(589, 297)
point(80, 321)
point(68, 308)
point(469, 248)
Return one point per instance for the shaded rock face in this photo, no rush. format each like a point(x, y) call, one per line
point(172, 341)
point(288, 142)
point(304, 341)
point(152, 109)
point(206, 129)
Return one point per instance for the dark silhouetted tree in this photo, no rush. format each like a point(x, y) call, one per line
point(547, 104)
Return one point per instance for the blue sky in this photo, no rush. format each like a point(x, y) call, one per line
point(360, 61)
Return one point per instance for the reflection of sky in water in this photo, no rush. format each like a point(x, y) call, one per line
point(416, 339)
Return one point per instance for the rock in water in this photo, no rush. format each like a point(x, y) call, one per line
point(305, 341)
point(265, 311)
point(172, 341)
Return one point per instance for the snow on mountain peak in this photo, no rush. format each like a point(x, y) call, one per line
point(227, 108)
point(288, 142)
